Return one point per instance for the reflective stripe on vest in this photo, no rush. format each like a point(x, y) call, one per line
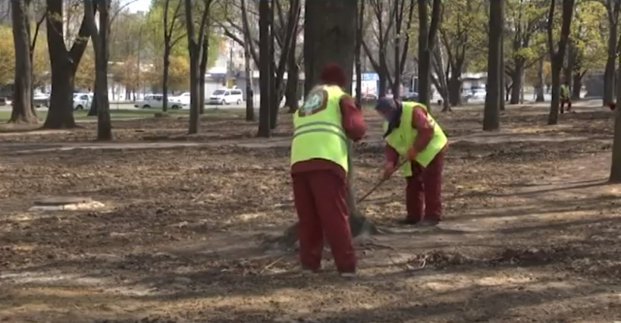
point(318, 131)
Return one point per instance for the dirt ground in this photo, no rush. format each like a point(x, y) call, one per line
point(532, 230)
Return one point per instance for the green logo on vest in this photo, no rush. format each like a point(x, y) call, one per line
point(316, 101)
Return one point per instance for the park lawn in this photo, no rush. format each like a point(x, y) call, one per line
point(128, 114)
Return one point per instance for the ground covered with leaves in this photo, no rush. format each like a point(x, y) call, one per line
point(532, 229)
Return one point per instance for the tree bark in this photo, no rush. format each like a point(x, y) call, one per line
point(329, 37)
point(577, 85)
point(455, 88)
point(265, 73)
point(396, 86)
point(426, 42)
point(539, 88)
point(570, 62)
point(292, 84)
point(100, 46)
point(249, 91)
point(274, 103)
point(196, 47)
point(495, 74)
point(287, 47)
point(615, 168)
point(247, 55)
point(202, 72)
point(517, 78)
point(440, 81)
point(22, 111)
point(64, 64)
point(503, 87)
point(165, 74)
point(169, 42)
point(612, 7)
point(358, 57)
point(557, 56)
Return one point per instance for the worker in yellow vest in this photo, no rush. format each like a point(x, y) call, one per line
point(322, 127)
point(565, 97)
point(415, 141)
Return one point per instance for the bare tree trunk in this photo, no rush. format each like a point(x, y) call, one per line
point(440, 81)
point(396, 86)
point(249, 91)
point(577, 85)
point(426, 42)
point(165, 74)
point(570, 62)
point(265, 74)
point(517, 78)
point(359, 37)
point(329, 37)
point(292, 84)
point(22, 111)
point(539, 88)
point(609, 74)
point(274, 102)
point(196, 46)
point(504, 93)
point(64, 64)
point(288, 46)
point(495, 74)
point(100, 46)
point(247, 55)
point(615, 168)
point(557, 56)
point(194, 90)
point(455, 89)
point(202, 72)
point(169, 42)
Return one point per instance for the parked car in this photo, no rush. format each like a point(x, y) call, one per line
point(41, 100)
point(409, 97)
point(151, 101)
point(82, 101)
point(368, 97)
point(476, 94)
point(4, 101)
point(226, 96)
point(179, 102)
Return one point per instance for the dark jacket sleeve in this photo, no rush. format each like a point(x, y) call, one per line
point(353, 119)
point(424, 128)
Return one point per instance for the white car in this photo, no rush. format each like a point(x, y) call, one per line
point(151, 101)
point(41, 100)
point(82, 101)
point(477, 95)
point(226, 96)
point(179, 102)
point(4, 101)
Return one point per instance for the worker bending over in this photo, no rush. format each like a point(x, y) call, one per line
point(416, 142)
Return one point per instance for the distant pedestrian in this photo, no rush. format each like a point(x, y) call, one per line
point(565, 97)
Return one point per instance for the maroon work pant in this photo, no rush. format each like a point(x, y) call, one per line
point(563, 102)
point(424, 191)
point(321, 204)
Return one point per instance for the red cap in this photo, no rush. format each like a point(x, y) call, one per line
point(333, 74)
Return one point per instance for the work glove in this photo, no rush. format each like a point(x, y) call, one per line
point(389, 169)
point(412, 154)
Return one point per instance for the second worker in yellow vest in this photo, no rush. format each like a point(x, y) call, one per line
point(565, 97)
point(414, 139)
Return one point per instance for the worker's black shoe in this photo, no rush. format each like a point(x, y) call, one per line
point(409, 222)
point(429, 223)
